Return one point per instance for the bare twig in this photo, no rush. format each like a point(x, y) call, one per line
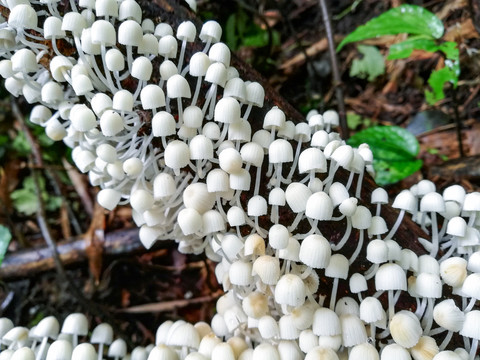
point(474, 7)
point(337, 81)
point(38, 162)
point(458, 123)
point(167, 306)
point(92, 307)
point(80, 186)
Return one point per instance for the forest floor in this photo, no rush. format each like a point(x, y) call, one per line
point(120, 282)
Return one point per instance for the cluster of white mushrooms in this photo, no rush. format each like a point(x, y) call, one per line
point(169, 133)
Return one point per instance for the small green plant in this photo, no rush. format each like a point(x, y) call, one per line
point(394, 151)
point(354, 121)
point(240, 30)
point(5, 237)
point(370, 66)
point(424, 29)
point(25, 200)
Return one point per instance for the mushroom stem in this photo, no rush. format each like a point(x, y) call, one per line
point(345, 237)
point(182, 54)
point(391, 305)
point(42, 348)
point(371, 271)
point(100, 351)
point(295, 161)
point(434, 250)
point(428, 317)
point(296, 221)
point(358, 248)
point(373, 329)
point(470, 305)
point(333, 297)
point(257, 181)
point(358, 192)
point(446, 340)
point(197, 91)
point(473, 349)
point(331, 174)
point(396, 225)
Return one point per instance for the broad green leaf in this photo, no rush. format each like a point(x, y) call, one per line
point(5, 237)
point(405, 48)
point(437, 80)
point(392, 172)
point(258, 39)
point(370, 66)
point(410, 19)
point(394, 151)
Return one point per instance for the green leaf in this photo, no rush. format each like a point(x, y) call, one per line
point(392, 172)
point(450, 49)
point(410, 19)
point(25, 201)
point(21, 145)
point(394, 151)
point(258, 39)
point(230, 33)
point(405, 48)
point(5, 237)
point(437, 80)
point(353, 120)
point(370, 66)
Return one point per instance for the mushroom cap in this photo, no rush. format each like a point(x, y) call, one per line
point(86, 351)
point(390, 276)
point(290, 290)
point(319, 206)
point(118, 348)
point(395, 351)
point(315, 251)
point(102, 334)
point(371, 310)
point(405, 329)
point(184, 335)
point(280, 151)
point(432, 202)
point(405, 200)
point(60, 350)
point(448, 315)
point(47, 327)
point(353, 330)
point(297, 195)
point(326, 322)
point(426, 348)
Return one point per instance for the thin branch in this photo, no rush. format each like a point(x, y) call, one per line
point(38, 163)
point(337, 81)
point(45, 229)
point(458, 122)
point(92, 307)
point(169, 306)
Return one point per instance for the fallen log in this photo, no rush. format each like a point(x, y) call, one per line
point(29, 262)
